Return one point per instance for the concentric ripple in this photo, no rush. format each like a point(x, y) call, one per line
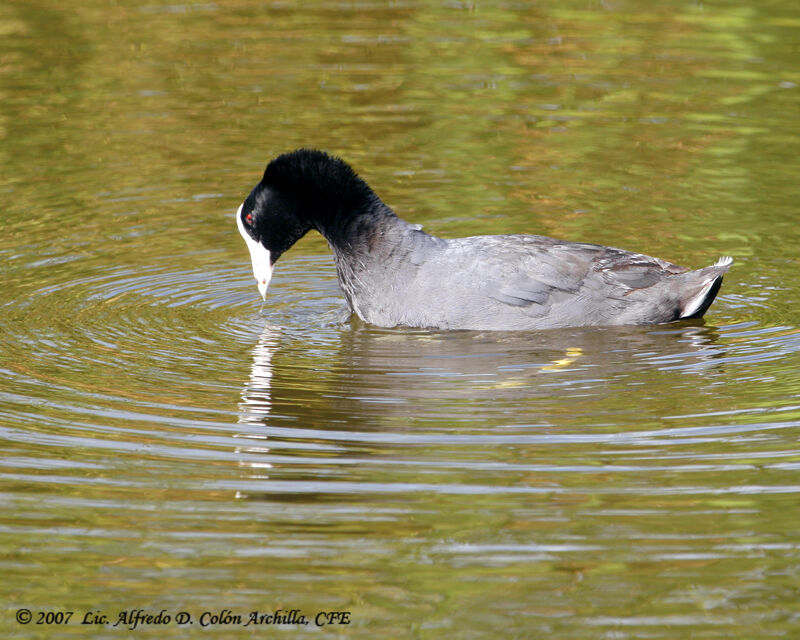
point(180, 380)
point(233, 431)
point(131, 355)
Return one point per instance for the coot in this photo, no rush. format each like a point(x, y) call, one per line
point(392, 273)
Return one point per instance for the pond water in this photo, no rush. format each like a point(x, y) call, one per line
point(171, 443)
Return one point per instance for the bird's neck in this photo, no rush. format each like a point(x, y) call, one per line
point(358, 229)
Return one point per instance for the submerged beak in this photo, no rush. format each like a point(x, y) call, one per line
point(262, 269)
point(262, 287)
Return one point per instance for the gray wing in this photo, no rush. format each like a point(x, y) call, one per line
point(528, 268)
point(565, 281)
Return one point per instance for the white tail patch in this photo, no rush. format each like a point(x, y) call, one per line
point(724, 261)
point(697, 301)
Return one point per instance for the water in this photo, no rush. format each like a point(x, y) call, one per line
point(171, 443)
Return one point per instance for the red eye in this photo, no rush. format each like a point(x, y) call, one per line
point(249, 218)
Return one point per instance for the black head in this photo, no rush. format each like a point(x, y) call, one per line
point(272, 219)
point(302, 190)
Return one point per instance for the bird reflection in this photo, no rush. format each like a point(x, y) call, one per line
point(396, 370)
point(321, 403)
point(371, 378)
point(256, 404)
point(256, 396)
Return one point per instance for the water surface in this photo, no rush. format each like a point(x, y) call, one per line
point(172, 443)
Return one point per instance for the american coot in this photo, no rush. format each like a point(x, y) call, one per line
point(393, 273)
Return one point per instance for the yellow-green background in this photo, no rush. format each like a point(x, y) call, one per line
point(169, 443)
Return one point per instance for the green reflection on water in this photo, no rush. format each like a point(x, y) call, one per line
point(427, 482)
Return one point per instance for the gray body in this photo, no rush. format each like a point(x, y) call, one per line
point(513, 282)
